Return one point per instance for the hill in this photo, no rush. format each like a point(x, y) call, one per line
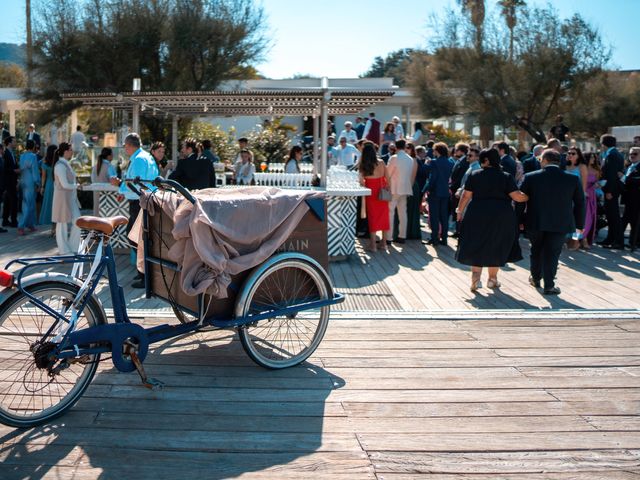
point(12, 52)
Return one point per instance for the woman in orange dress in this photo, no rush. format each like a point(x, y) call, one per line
point(373, 175)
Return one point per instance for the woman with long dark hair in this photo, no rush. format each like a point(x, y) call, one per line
point(488, 232)
point(293, 162)
point(374, 176)
point(577, 165)
point(46, 188)
point(66, 208)
point(103, 172)
point(594, 173)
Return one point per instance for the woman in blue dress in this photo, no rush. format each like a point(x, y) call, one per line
point(29, 182)
point(46, 188)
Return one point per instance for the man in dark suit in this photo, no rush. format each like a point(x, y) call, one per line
point(631, 196)
point(459, 169)
point(531, 162)
point(555, 208)
point(506, 160)
point(438, 187)
point(2, 230)
point(33, 135)
point(10, 171)
point(612, 170)
point(5, 132)
point(193, 172)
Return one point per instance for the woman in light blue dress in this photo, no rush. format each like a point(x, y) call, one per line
point(46, 187)
point(29, 183)
point(577, 165)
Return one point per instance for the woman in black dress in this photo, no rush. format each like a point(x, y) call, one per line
point(488, 232)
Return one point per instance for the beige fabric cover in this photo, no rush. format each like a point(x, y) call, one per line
point(226, 232)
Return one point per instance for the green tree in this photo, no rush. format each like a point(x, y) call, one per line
point(552, 59)
point(12, 76)
point(394, 65)
point(475, 10)
point(509, 12)
point(608, 99)
point(101, 45)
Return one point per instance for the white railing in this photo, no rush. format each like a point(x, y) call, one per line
point(283, 179)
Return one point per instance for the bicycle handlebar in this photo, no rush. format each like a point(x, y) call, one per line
point(160, 182)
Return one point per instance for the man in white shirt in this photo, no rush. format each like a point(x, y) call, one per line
point(78, 142)
point(402, 171)
point(349, 133)
point(346, 154)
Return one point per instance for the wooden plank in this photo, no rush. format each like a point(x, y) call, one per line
point(504, 462)
point(489, 409)
point(493, 442)
point(193, 441)
point(583, 475)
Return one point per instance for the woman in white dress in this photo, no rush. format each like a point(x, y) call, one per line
point(66, 208)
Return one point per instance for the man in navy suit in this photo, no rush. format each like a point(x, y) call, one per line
point(33, 135)
point(612, 170)
point(438, 187)
point(10, 171)
point(506, 160)
point(555, 208)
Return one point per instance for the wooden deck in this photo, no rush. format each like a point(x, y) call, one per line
point(381, 399)
point(534, 393)
point(417, 278)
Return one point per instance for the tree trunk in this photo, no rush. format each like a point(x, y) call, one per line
point(511, 45)
point(486, 134)
point(29, 44)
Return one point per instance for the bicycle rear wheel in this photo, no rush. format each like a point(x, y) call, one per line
point(30, 394)
point(285, 340)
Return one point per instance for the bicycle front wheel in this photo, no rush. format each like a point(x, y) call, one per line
point(31, 392)
point(285, 340)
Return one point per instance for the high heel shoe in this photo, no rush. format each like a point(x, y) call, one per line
point(475, 285)
point(493, 283)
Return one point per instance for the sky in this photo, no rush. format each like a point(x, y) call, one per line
point(340, 39)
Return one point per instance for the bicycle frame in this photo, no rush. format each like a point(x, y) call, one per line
point(112, 336)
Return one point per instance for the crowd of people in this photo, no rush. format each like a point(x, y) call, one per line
point(555, 194)
point(487, 199)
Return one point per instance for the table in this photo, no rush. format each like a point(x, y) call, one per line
point(107, 205)
point(342, 214)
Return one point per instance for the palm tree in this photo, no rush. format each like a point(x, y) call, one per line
point(29, 43)
point(476, 10)
point(509, 10)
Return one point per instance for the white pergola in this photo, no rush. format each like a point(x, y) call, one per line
point(318, 103)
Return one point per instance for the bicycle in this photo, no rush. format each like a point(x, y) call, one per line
point(54, 329)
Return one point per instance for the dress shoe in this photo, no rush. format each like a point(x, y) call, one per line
point(534, 283)
point(443, 242)
point(3, 230)
point(603, 243)
point(399, 240)
point(552, 291)
point(432, 242)
point(139, 283)
point(614, 247)
point(5, 223)
point(389, 242)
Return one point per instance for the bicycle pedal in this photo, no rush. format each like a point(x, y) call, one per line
point(153, 384)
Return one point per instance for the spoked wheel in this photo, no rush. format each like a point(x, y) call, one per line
point(285, 340)
point(32, 390)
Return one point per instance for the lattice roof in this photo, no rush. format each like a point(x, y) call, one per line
point(290, 102)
